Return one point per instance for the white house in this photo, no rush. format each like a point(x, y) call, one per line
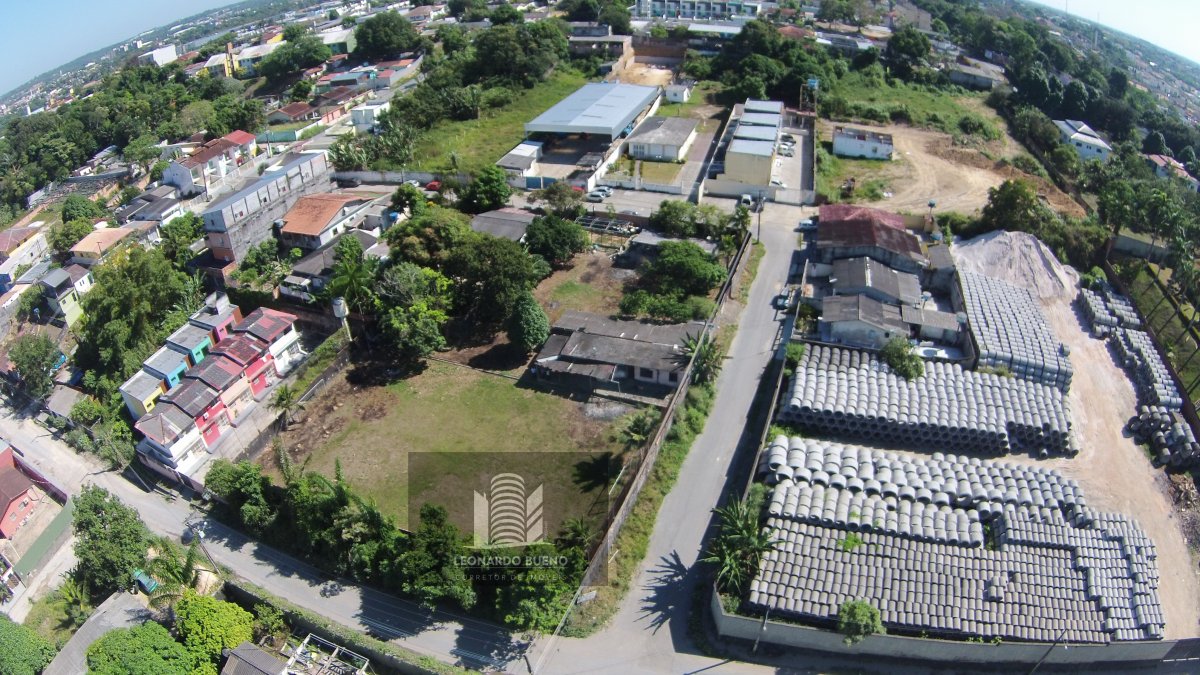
point(1086, 142)
point(850, 142)
point(365, 117)
point(662, 138)
point(679, 93)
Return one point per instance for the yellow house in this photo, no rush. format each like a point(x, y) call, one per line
point(141, 393)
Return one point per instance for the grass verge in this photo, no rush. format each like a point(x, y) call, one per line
point(1169, 325)
point(480, 142)
point(757, 251)
point(302, 619)
point(316, 364)
point(705, 92)
point(833, 171)
point(661, 173)
point(48, 616)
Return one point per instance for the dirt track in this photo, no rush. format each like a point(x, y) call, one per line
point(927, 165)
point(1115, 473)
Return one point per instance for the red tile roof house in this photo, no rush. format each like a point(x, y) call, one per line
point(278, 331)
point(229, 381)
point(210, 162)
point(18, 495)
point(252, 355)
point(203, 404)
point(292, 112)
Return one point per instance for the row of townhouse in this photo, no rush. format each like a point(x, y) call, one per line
point(206, 379)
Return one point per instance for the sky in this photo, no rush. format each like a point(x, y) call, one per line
point(1168, 24)
point(40, 35)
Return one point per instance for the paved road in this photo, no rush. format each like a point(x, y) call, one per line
point(441, 635)
point(649, 632)
point(120, 610)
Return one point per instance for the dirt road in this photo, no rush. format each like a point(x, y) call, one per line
point(1115, 473)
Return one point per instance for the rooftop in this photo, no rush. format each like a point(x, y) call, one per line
point(289, 162)
point(762, 119)
point(507, 223)
point(189, 337)
point(210, 150)
point(840, 308)
point(13, 237)
point(753, 105)
point(597, 108)
point(862, 135)
point(297, 109)
point(142, 385)
point(931, 317)
point(850, 274)
point(654, 239)
point(853, 234)
point(664, 130)
point(165, 423)
point(13, 484)
point(239, 137)
point(192, 396)
point(240, 348)
point(56, 279)
point(217, 372)
point(166, 361)
point(668, 334)
point(320, 262)
point(747, 147)
point(313, 214)
point(1079, 131)
point(266, 324)
point(98, 242)
point(621, 351)
point(248, 659)
point(839, 214)
point(752, 132)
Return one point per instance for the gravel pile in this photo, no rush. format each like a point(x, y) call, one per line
point(1019, 258)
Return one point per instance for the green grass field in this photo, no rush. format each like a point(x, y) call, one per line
point(705, 92)
point(833, 171)
point(923, 107)
point(1170, 325)
point(468, 426)
point(479, 143)
point(662, 173)
point(48, 617)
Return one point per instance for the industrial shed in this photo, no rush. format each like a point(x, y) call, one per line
point(601, 108)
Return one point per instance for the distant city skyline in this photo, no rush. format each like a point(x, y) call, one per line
point(41, 36)
point(1164, 23)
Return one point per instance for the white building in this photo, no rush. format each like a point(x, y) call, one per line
point(159, 57)
point(366, 116)
point(850, 142)
point(1086, 142)
point(663, 139)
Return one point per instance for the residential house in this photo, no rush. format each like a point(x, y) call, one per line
point(168, 365)
point(248, 659)
point(278, 331)
point(506, 223)
point(97, 244)
point(311, 273)
point(593, 351)
point(192, 341)
point(860, 321)
point(340, 41)
point(894, 247)
point(849, 45)
point(851, 142)
point(217, 316)
point(157, 204)
point(662, 139)
point(423, 14)
point(365, 117)
point(228, 379)
point(20, 247)
point(1086, 142)
point(1163, 166)
point(749, 162)
point(679, 92)
point(357, 79)
point(607, 47)
point(334, 103)
point(251, 56)
point(244, 142)
point(698, 9)
point(253, 357)
point(244, 218)
point(141, 393)
point(219, 65)
point(210, 163)
point(317, 220)
point(172, 439)
point(292, 112)
point(864, 276)
point(19, 496)
point(975, 74)
point(203, 405)
point(64, 287)
point(930, 324)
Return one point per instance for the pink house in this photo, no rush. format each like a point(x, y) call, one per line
point(252, 355)
point(228, 380)
point(204, 405)
point(18, 495)
point(278, 331)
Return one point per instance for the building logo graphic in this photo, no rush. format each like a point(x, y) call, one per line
point(508, 515)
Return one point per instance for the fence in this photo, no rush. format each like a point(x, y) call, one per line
point(891, 647)
point(395, 177)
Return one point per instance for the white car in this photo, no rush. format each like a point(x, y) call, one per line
point(779, 183)
point(596, 196)
point(604, 190)
point(787, 151)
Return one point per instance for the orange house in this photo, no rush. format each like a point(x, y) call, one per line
point(18, 495)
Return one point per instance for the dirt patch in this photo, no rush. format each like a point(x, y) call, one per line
point(1114, 472)
point(592, 284)
point(647, 74)
point(929, 165)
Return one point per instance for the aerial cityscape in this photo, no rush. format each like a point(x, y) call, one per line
point(672, 336)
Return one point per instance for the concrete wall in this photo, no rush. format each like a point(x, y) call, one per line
point(852, 147)
point(752, 169)
point(937, 651)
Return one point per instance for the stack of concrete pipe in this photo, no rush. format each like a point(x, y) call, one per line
point(1153, 380)
point(1096, 310)
point(1171, 440)
point(1011, 331)
point(851, 393)
point(950, 545)
point(1120, 307)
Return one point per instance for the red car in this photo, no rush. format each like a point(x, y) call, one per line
point(434, 185)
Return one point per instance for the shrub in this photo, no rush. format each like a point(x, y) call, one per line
point(901, 358)
point(793, 353)
point(857, 619)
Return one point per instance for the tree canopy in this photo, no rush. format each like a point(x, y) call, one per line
point(111, 541)
point(555, 239)
point(147, 649)
point(489, 190)
point(385, 35)
point(207, 625)
point(304, 52)
point(528, 327)
point(491, 274)
point(33, 356)
point(22, 650)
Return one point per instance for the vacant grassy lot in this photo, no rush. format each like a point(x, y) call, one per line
point(477, 424)
point(662, 173)
point(920, 106)
point(1171, 326)
point(479, 143)
point(869, 174)
point(703, 94)
point(48, 616)
point(592, 284)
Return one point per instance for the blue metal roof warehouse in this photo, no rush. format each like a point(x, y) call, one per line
point(605, 108)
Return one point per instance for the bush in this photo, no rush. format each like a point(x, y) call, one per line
point(857, 619)
point(1029, 165)
point(22, 651)
point(793, 353)
point(901, 358)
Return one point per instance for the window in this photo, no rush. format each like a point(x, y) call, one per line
point(645, 372)
point(673, 378)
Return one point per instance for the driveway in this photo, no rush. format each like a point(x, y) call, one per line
point(120, 610)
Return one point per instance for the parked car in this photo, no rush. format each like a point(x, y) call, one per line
point(348, 182)
point(788, 138)
point(604, 190)
point(781, 302)
point(594, 196)
point(746, 200)
point(787, 151)
point(434, 185)
point(414, 183)
point(807, 225)
point(778, 183)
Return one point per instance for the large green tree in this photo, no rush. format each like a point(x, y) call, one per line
point(685, 266)
point(22, 650)
point(385, 35)
point(428, 238)
point(111, 541)
point(429, 568)
point(489, 190)
point(33, 357)
point(555, 239)
point(78, 207)
point(490, 274)
point(63, 236)
point(528, 327)
point(147, 649)
point(208, 626)
point(305, 52)
point(178, 237)
point(908, 44)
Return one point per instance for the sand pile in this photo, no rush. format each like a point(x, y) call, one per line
point(1019, 258)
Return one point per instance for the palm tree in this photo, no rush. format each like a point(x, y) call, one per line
point(576, 533)
point(175, 571)
point(354, 281)
point(286, 402)
point(739, 545)
point(640, 427)
point(76, 605)
point(706, 358)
